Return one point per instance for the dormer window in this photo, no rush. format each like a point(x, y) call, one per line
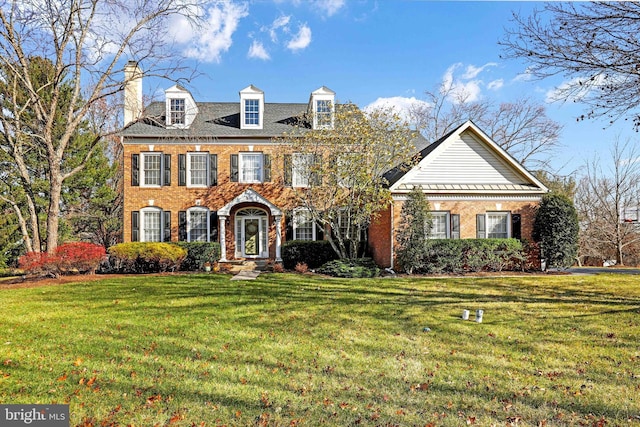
point(181, 108)
point(321, 106)
point(177, 111)
point(252, 112)
point(251, 108)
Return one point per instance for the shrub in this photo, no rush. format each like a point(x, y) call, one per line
point(350, 268)
point(472, 255)
point(198, 253)
point(142, 257)
point(556, 229)
point(278, 268)
point(302, 268)
point(312, 253)
point(81, 257)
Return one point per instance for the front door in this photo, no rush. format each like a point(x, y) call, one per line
point(251, 234)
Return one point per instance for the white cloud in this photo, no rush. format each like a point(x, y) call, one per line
point(300, 40)
point(330, 7)
point(406, 108)
point(258, 51)
point(496, 84)
point(473, 71)
point(280, 23)
point(208, 42)
point(460, 90)
point(573, 90)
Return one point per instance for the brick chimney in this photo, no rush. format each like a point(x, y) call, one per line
point(132, 92)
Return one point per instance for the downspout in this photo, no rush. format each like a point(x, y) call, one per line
point(391, 266)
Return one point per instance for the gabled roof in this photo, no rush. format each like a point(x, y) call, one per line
point(465, 160)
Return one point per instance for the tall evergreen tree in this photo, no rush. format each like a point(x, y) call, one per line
point(556, 229)
point(413, 236)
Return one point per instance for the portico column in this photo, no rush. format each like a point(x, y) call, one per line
point(278, 219)
point(223, 238)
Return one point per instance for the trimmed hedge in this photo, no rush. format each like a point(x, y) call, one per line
point(473, 255)
point(350, 268)
point(312, 253)
point(198, 253)
point(146, 257)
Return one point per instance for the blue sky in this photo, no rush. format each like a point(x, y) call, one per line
point(367, 51)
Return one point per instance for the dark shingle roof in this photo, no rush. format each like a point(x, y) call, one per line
point(219, 119)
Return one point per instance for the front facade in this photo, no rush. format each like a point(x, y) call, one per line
point(213, 172)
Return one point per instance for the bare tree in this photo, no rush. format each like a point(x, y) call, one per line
point(595, 46)
point(602, 198)
point(86, 43)
point(521, 127)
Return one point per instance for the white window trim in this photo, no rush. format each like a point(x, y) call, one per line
point(208, 216)
point(189, 184)
point(316, 125)
point(145, 211)
point(241, 178)
point(142, 169)
point(447, 216)
point(170, 112)
point(296, 177)
point(314, 235)
point(486, 223)
point(243, 119)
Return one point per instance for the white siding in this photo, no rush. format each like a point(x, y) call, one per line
point(464, 160)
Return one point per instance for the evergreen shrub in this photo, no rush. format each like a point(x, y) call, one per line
point(312, 253)
point(350, 268)
point(198, 253)
point(146, 257)
point(473, 255)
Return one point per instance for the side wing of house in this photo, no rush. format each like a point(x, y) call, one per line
point(474, 187)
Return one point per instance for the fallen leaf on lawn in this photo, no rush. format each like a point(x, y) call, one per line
point(62, 377)
point(78, 362)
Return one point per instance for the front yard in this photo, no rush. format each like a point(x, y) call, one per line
point(192, 350)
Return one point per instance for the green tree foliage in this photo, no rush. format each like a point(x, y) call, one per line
point(556, 229)
point(413, 235)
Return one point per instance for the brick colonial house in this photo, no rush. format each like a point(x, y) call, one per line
point(202, 171)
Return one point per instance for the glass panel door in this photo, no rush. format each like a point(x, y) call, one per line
point(251, 236)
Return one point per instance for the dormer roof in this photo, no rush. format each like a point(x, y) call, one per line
point(181, 108)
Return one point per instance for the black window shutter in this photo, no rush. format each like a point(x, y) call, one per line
point(481, 230)
point(288, 228)
point(166, 233)
point(167, 170)
point(234, 168)
point(516, 226)
point(213, 226)
point(266, 159)
point(182, 170)
point(135, 170)
point(288, 170)
point(455, 226)
point(182, 226)
point(319, 233)
point(213, 170)
point(135, 226)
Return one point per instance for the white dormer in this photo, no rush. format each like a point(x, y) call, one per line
point(251, 108)
point(322, 107)
point(181, 107)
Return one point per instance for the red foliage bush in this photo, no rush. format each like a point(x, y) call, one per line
point(71, 257)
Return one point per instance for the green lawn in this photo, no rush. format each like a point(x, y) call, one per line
point(290, 350)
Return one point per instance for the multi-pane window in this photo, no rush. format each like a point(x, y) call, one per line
point(302, 169)
point(152, 225)
point(198, 225)
point(440, 225)
point(303, 226)
point(251, 167)
point(497, 225)
point(177, 111)
point(197, 167)
point(152, 169)
point(252, 112)
point(323, 113)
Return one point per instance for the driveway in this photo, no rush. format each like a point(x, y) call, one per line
point(598, 270)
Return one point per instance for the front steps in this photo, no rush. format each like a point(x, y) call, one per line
point(236, 266)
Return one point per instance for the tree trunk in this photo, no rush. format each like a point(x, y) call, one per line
point(53, 214)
